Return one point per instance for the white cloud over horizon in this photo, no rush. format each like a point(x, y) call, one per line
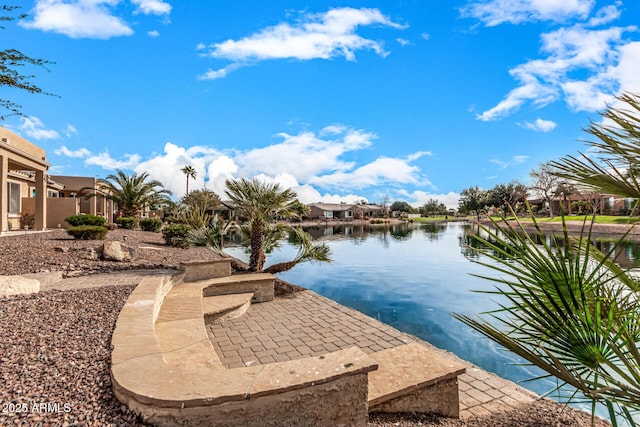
point(313, 36)
point(418, 198)
point(305, 162)
point(93, 19)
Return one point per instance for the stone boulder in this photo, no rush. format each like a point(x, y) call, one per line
point(115, 251)
point(17, 285)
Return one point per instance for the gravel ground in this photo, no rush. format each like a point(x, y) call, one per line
point(55, 349)
point(58, 251)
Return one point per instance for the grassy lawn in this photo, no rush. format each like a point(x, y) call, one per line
point(600, 219)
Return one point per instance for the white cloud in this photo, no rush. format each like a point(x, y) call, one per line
point(539, 125)
point(305, 155)
point(220, 73)
point(34, 129)
point(70, 130)
point(601, 56)
point(626, 71)
point(303, 162)
point(496, 12)
point(64, 151)
point(383, 170)
point(426, 36)
point(94, 19)
point(314, 36)
point(306, 193)
point(403, 42)
point(105, 161)
point(78, 19)
point(166, 167)
point(515, 160)
point(418, 198)
point(153, 33)
point(152, 7)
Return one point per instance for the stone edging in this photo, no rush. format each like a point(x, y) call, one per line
point(165, 369)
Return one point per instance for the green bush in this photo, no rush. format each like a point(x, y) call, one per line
point(151, 224)
point(127, 222)
point(88, 232)
point(177, 235)
point(85, 219)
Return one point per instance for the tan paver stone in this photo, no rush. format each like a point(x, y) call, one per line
point(177, 334)
point(296, 374)
point(178, 307)
point(217, 306)
point(199, 356)
point(479, 395)
point(406, 368)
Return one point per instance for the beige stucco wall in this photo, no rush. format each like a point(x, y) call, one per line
point(18, 142)
point(58, 209)
point(18, 154)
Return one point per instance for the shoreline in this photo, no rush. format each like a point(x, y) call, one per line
point(37, 345)
point(613, 231)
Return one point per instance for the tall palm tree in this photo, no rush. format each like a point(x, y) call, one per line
point(131, 192)
point(190, 172)
point(260, 203)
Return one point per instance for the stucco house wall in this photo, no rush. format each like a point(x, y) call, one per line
point(23, 168)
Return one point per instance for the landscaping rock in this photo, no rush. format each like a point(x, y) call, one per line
point(116, 251)
point(17, 285)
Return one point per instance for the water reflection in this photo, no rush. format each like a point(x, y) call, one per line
point(625, 253)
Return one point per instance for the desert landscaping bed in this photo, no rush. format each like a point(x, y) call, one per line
point(55, 347)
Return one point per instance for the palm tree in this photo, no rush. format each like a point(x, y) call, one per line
point(190, 172)
point(131, 192)
point(260, 203)
point(307, 251)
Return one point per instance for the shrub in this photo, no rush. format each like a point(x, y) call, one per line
point(88, 232)
point(177, 235)
point(27, 220)
point(127, 222)
point(151, 224)
point(85, 219)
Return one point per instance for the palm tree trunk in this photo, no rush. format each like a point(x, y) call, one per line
point(257, 258)
point(280, 267)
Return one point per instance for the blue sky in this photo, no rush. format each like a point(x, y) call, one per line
point(412, 99)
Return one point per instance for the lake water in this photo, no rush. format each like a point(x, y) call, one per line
point(412, 277)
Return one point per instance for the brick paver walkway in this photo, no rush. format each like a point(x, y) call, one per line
point(303, 325)
point(307, 324)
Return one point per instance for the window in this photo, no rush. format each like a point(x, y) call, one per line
point(608, 203)
point(52, 193)
point(13, 188)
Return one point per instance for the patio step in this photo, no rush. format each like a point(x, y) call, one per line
point(414, 378)
point(225, 307)
point(260, 284)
